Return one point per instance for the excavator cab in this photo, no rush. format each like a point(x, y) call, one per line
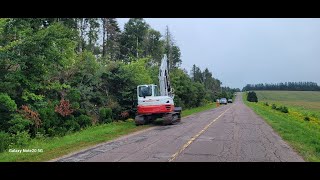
point(148, 90)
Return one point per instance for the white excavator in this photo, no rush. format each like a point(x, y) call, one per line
point(153, 104)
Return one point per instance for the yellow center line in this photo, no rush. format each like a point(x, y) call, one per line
point(175, 155)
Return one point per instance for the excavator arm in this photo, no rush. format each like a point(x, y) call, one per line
point(164, 79)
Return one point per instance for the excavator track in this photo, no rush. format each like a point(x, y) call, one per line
point(171, 118)
point(139, 120)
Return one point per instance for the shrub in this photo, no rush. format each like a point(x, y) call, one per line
point(19, 124)
point(75, 105)
point(31, 115)
point(50, 119)
point(306, 118)
point(84, 120)
point(60, 131)
point(105, 115)
point(71, 125)
point(266, 104)
point(274, 106)
point(252, 97)
point(21, 139)
point(40, 136)
point(7, 103)
point(64, 108)
point(124, 115)
point(4, 141)
point(7, 107)
point(284, 109)
point(74, 95)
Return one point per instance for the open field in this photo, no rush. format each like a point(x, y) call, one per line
point(306, 102)
point(302, 133)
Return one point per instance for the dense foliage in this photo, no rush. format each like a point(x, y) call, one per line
point(287, 86)
point(252, 97)
point(57, 76)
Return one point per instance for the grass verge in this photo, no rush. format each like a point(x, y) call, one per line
point(302, 135)
point(59, 146)
point(188, 112)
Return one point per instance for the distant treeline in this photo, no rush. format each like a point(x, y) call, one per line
point(288, 86)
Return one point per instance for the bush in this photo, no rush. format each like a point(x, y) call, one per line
point(74, 95)
point(7, 108)
point(84, 121)
point(19, 124)
point(7, 103)
point(50, 119)
point(21, 139)
point(284, 109)
point(105, 115)
point(71, 125)
point(252, 97)
point(40, 136)
point(75, 105)
point(306, 118)
point(4, 141)
point(60, 131)
point(266, 104)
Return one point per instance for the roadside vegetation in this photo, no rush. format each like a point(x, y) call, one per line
point(298, 125)
point(208, 106)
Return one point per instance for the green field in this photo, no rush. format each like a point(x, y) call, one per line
point(305, 102)
point(59, 146)
point(303, 135)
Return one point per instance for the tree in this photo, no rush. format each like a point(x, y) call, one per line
point(252, 97)
point(175, 56)
point(110, 38)
point(92, 34)
point(196, 74)
point(153, 46)
point(135, 31)
point(172, 50)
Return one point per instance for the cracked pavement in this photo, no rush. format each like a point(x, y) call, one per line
point(239, 135)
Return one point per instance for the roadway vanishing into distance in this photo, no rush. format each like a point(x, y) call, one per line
point(229, 133)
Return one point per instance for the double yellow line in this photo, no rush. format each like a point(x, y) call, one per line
point(175, 155)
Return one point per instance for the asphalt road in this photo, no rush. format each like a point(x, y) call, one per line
point(230, 132)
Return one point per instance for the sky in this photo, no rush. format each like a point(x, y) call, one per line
point(247, 51)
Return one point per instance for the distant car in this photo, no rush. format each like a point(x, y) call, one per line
point(229, 100)
point(223, 101)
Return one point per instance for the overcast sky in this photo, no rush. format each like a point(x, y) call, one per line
point(247, 51)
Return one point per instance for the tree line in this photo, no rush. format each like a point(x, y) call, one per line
point(287, 86)
point(60, 75)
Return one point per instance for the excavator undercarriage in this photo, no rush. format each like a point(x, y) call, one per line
point(168, 118)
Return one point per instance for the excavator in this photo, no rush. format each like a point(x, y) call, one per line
point(154, 103)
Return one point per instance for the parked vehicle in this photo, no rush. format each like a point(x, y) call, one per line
point(229, 100)
point(223, 101)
